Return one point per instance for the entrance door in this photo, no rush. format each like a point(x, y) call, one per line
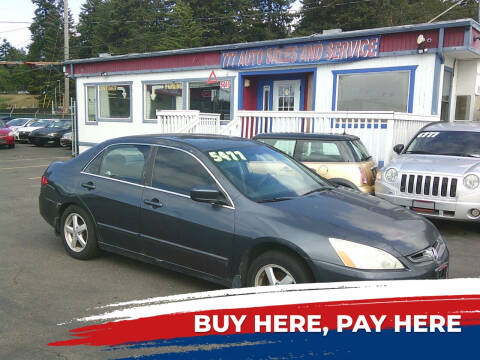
point(286, 95)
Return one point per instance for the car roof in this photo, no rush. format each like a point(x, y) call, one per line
point(453, 126)
point(310, 136)
point(199, 141)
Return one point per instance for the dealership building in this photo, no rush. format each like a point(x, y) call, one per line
point(381, 84)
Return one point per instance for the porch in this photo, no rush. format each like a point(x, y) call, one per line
point(378, 130)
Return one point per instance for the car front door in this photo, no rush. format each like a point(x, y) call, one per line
point(112, 188)
point(177, 229)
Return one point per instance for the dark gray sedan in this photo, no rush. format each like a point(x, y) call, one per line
point(233, 211)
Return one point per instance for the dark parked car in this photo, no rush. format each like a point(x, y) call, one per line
point(50, 134)
point(233, 211)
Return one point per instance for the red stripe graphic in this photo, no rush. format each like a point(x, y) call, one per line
point(181, 325)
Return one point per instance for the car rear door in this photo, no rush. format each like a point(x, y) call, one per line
point(111, 188)
point(177, 229)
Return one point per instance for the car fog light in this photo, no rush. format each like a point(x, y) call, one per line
point(391, 175)
point(475, 212)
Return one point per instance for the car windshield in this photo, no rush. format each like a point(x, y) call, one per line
point(2, 124)
point(263, 174)
point(17, 122)
point(361, 150)
point(40, 123)
point(59, 125)
point(450, 143)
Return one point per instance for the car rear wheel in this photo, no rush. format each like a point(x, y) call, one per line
point(78, 233)
point(277, 268)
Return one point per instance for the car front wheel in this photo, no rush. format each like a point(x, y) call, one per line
point(78, 233)
point(277, 268)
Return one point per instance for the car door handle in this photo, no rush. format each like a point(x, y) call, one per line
point(155, 203)
point(88, 185)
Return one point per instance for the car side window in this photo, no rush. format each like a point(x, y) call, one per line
point(319, 151)
point(94, 166)
point(177, 171)
point(124, 162)
point(285, 145)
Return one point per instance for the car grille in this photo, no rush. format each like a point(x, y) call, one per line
point(429, 253)
point(428, 185)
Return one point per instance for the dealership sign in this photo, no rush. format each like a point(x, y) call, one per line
point(303, 53)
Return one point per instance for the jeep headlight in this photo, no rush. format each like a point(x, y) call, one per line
point(364, 257)
point(391, 175)
point(471, 181)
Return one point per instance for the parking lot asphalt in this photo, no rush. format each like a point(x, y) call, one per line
point(41, 286)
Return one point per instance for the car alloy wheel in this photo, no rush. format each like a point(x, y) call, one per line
point(76, 232)
point(273, 274)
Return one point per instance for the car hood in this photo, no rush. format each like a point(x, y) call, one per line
point(360, 218)
point(46, 131)
point(441, 164)
point(4, 131)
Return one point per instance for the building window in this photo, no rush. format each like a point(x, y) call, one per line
point(114, 101)
point(374, 91)
point(447, 86)
point(211, 98)
point(91, 104)
point(166, 96)
point(286, 95)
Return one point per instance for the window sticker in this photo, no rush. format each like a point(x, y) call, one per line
point(219, 156)
point(428, 134)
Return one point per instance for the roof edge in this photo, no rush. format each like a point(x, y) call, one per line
point(314, 37)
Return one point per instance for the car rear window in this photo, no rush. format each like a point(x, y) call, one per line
point(360, 150)
point(320, 151)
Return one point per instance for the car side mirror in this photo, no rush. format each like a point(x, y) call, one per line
point(398, 148)
point(208, 194)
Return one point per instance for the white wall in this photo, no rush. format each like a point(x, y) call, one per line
point(323, 101)
point(104, 130)
point(422, 101)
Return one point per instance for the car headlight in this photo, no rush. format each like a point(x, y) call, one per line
point(391, 175)
point(54, 134)
point(471, 181)
point(10, 133)
point(364, 257)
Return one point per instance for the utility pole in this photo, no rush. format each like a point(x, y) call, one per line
point(66, 100)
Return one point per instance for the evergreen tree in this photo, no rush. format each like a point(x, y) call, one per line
point(46, 45)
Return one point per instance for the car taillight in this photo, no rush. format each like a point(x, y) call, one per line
point(44, 180)
point(363, 175)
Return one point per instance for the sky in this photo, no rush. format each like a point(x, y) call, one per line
point(16, 16)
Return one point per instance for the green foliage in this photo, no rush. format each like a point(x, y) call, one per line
point(318, 15)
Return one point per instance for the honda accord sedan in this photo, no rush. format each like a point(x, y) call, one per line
point(233, 211)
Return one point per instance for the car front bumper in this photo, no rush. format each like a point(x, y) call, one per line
point(7, 140)
point(446, 208)
point(43, 140)
point(438, 269)
point(65, 142)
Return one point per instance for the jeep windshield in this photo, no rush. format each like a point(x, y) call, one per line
point(448, 143)
point(265, 175)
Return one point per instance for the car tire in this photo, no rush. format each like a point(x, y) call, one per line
point(78, 233)
point(285, 268)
